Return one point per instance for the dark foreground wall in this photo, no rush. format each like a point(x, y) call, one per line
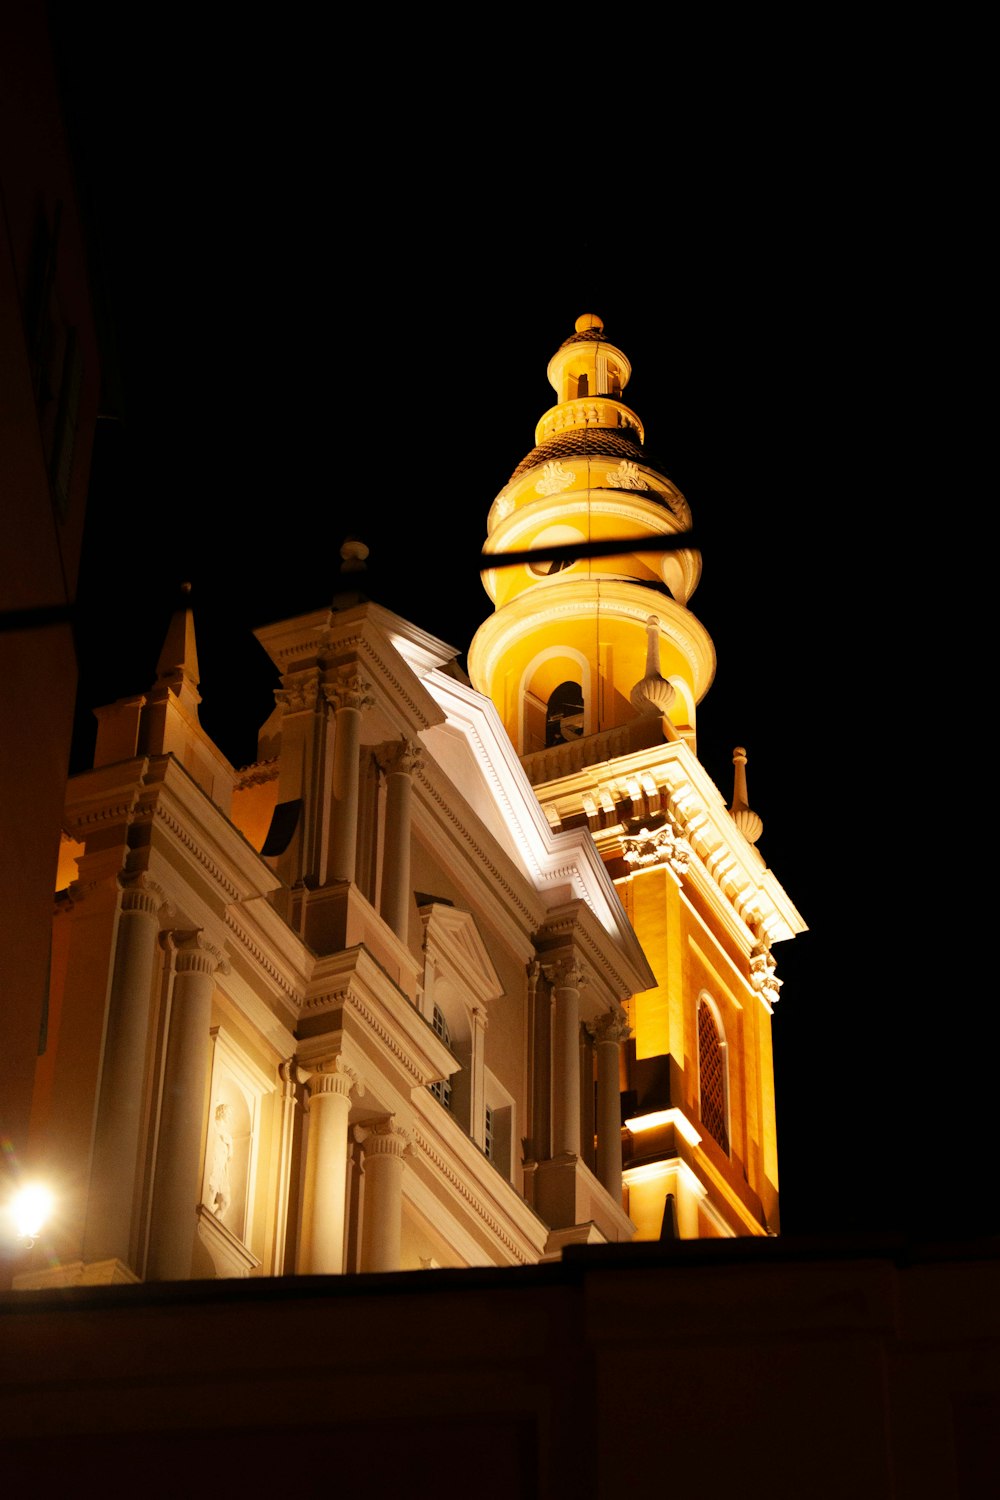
point(739, 1368)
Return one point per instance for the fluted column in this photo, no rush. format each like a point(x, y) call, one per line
point(347, 695)
point(566, 978)
point(120, 1110)
point(609, 1032)
point(398, 761)
point(324, 1204)
point(177, 1181)
point(383, 1231)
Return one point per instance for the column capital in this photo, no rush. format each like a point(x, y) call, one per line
point(348, 688)
point(332, 1076)
point(140, 894)
point(386, 1139)
point(612, 1027)
point(400, 756)
point(299, 691)
point(193, 953)
point(565, 974)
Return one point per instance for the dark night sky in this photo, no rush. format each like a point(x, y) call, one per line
point(336, 320)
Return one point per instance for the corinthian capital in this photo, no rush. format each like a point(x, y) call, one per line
point(612, 1027)
point(348, 689)
point(333, 1077)
point(565, 974)
point(299, 691)
point(401, 756)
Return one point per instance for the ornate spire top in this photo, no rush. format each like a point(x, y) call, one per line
point(749, 824)
point(177, 667)
point(653, 694)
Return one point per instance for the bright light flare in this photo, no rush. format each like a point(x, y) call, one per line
point(30, 1207)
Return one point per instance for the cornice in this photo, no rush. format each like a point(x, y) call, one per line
point(725, 866)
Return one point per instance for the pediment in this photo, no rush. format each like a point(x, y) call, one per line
point(453, 944)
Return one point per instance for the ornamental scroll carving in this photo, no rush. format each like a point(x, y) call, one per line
point(763, 978)
point(656, 846)
point(626, 476)
point(554, 479)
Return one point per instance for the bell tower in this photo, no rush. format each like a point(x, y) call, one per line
point(596, 667)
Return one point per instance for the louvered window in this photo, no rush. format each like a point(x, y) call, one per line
point(712, 1077)
point(442, 1089)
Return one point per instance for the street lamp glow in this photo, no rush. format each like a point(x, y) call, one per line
point(30, 1207)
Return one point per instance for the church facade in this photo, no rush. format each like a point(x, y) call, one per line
point(458, 972)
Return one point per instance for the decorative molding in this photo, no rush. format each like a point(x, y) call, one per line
point(626, 476)
point(197, 849)
point(257, 774)
point(656, 846)
point(273, 972)
point(462, 1188)
point(763, 978)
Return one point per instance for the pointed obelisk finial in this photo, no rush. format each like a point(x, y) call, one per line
point(653, 694)
point(747, 821)
point(177, 666)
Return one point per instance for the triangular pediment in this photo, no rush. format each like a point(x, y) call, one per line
point(452, 943)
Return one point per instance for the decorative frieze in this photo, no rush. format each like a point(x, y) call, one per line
point(626, 477)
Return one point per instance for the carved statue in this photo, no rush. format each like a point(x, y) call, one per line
point(219, 1185)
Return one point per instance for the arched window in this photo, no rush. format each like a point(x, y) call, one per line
point(442, 1089)
point(712, 1075)
point(564, 714)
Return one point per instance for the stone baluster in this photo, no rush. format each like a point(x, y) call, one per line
point(325, 1198)
point(179, 1155)
point(566, 978)
point(383, 1228)
point(398, 762)
point(120, 1109)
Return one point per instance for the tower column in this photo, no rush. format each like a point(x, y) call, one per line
point(383, 1232)
point(566, 978)
point(324, 1204)
point(119, 1113)
point(347, 695)
point(177, 1182)
point(398, 762)
point(609, 1032)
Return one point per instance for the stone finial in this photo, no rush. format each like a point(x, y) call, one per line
point(749, 824)
point(653, 694)
point(353, 555)
point(177, 665)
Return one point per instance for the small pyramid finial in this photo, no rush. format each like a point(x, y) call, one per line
point(177, 666)
point(653, 694)
point(747, 821)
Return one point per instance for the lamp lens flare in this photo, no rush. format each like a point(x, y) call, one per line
point(30, 1208)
